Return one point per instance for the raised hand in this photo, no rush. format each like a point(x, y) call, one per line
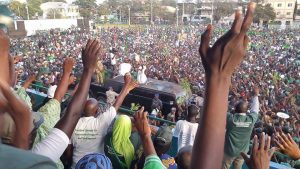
point(90, 53)
point(141, 123)
point(20, 113)
point(68, 65)
point(261, 153)
point(287, 145)
point(28, 82)
point(228, 51)
point(72, 79)
point(130, 83)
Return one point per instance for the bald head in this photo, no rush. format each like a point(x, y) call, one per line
point(91, 107)
point(241, 107)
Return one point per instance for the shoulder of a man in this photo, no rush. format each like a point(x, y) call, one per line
point(253, 116)
point(24, 159)
point(110, 113)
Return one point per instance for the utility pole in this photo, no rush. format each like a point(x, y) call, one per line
point(182, 12)
point(177, 10)
point(212, 11)
point(27, 12)
point(151, 12)
point(128, 15)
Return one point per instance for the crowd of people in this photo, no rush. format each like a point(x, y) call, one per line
point(258, 68)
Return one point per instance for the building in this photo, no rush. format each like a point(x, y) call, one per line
point(284, 10)
point(61, 9)
point(297, 14)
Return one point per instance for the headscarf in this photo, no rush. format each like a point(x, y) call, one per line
point(94, 161)
point(121, 138)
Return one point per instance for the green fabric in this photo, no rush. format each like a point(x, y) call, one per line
point(13, 158)
point(21, 92)
point(152, 162)
point(238, 132)
point(116, 159)
point(121, 138)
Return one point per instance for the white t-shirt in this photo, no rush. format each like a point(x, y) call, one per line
point(53, 146)
point(88, 136)
point(186, 133)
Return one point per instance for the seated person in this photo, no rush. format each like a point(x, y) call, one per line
point(118, 145)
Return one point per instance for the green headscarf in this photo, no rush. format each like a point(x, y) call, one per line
point(121, 138)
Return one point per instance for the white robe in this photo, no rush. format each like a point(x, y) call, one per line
point(141, 77)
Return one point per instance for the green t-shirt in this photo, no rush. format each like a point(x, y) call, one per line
point(238, 131)
point(11, 158)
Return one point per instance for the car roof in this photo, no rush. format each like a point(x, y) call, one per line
point(159, 86)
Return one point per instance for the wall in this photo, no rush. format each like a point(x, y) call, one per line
point(32, 26)
point(24, 28)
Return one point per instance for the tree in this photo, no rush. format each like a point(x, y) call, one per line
point(264, 13)
point(86, 7)
point(34, 7)
point(18, 9)
point(168, 3)
point(223, 9)
point(54, 14)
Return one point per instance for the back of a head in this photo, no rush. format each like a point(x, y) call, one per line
point(183, 157)
point(192, 111)
point(121, 138)
point(94, 161)
point(91, 107)
point(241, 107)
point(163, 140)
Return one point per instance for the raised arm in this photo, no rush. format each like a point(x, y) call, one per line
point(12, 71)
point(219, 62)
point(62, 87)
point(4, 54)
point(141, 124)
point(129, 85)
point(29, 81)
point(20, 113)
point(89, 59)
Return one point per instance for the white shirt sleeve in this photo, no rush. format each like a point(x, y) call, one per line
point(53, 146)
point(108, 116)
point(178, 128)
point(255, 104)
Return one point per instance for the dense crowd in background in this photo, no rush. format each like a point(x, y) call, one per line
point(268, 80)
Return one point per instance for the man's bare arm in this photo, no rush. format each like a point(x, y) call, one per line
point(63, 85)
point(4, 53)
point(89, 58)
point(219, 62)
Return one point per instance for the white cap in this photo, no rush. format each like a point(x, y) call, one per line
point(51, 91)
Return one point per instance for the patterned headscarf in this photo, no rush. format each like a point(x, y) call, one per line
point(121, 138)
point(94, 161)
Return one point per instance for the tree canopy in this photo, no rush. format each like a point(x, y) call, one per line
point(264, 13)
